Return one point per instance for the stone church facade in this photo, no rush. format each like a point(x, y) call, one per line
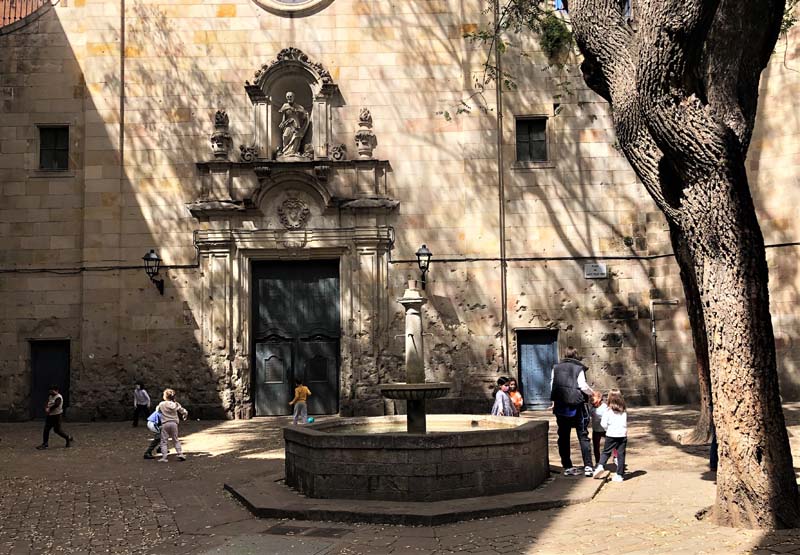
point(285, 159)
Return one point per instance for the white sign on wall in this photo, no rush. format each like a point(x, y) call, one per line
point(595, 271)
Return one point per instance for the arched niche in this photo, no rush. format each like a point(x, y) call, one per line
point(314, 89)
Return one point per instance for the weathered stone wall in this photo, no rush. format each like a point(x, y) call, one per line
point(158, 81)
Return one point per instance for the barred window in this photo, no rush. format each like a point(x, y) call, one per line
point(54, 148)
point(531, 139)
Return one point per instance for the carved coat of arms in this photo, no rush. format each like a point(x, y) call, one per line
point(293, 213)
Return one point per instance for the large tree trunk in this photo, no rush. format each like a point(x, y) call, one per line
point(701, 434)
point(683, 89)
point(755, 468)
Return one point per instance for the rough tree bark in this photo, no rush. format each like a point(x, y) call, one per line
point(683, 90)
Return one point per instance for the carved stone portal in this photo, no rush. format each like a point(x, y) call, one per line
point(293, 213)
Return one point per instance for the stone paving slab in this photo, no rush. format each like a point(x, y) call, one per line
point(268, 497)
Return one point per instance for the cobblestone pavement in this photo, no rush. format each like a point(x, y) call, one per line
point(101, 497)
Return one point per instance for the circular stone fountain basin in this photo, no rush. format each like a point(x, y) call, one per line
point(373, 458)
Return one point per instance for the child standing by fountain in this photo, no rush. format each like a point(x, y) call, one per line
point(301, 393)
point(502, 402)
point(516, 396)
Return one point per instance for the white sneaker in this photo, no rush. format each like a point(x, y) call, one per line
point(597, 471)
point(588, 471)
point(617, 478)
point(571, 471)
point(181, 457)
point(163, 460)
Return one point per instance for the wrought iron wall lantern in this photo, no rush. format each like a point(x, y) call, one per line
point(152, 262)
point(424, 260)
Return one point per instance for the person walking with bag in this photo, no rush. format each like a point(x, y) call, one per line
point(54, 409)
point(171, 413)
point(568, 390)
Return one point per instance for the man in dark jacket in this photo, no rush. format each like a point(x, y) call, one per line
point(568, 393)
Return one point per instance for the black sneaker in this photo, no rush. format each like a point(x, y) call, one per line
point(41, 447)
point(149, 456)
point(70, 439)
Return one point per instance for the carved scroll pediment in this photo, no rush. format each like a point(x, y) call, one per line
point(290, 56)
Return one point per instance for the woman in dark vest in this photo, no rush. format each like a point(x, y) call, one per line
point(569, 392)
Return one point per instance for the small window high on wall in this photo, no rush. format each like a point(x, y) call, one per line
point(531, 139)
point(54, 148)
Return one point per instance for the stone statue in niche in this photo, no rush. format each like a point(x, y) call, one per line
point(293, 127)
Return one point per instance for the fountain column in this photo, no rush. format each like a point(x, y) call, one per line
point(415, 390)
point(413, 301)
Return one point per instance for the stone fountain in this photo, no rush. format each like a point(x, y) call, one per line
point(416, 389)
point(461, 456)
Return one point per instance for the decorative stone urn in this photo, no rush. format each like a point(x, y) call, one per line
point(415, 390)
point(221, 139)
point(365, 138)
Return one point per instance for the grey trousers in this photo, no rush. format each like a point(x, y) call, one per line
point(300, 412)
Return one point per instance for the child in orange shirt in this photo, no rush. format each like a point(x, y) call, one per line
point(301, 394)
point(516, 396)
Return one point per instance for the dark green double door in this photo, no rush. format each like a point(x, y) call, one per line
point(296, 330)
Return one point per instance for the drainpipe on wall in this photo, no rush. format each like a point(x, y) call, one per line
point(653, 303)
point(501, 194)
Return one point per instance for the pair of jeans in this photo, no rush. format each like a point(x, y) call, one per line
point(53, 422)
point(615, 443)
point(142, 410)
point(597, 439)
point(300, 412)
point(579, 423)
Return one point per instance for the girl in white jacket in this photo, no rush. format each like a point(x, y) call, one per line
point(171, 413)
point(615, 422)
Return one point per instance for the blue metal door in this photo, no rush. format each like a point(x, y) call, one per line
point(296, 328)
point(538, 352)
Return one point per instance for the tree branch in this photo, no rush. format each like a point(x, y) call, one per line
point(732, 66)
